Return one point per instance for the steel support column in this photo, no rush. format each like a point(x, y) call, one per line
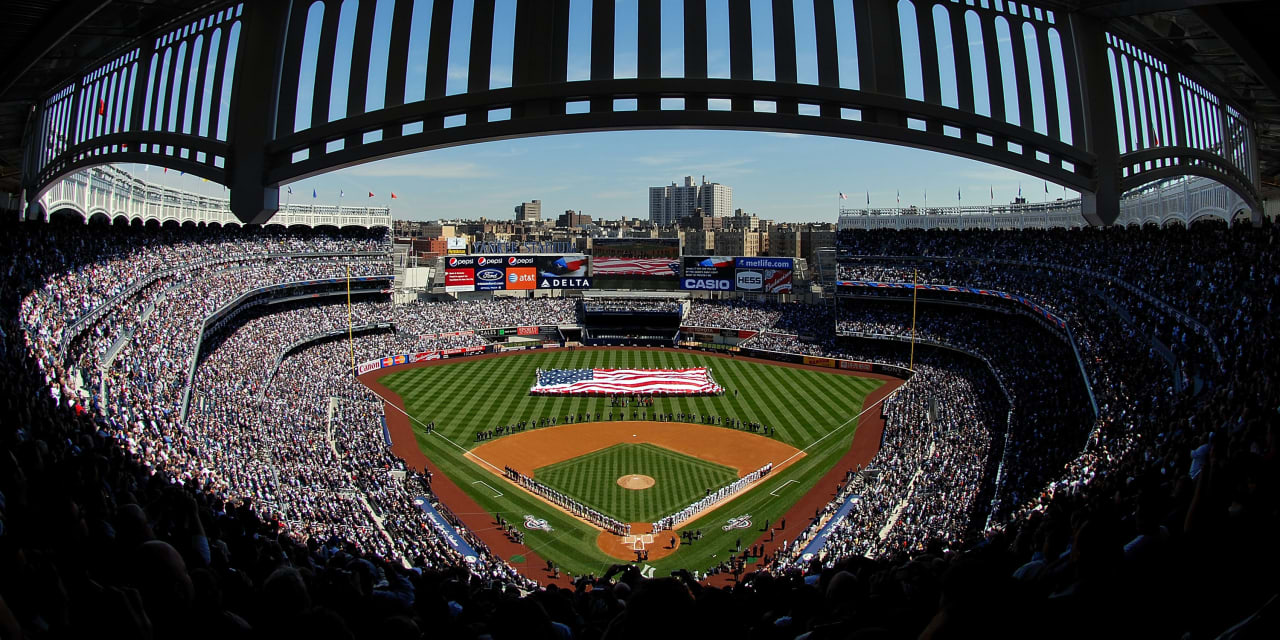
point(1101, 206)
point(253, 108)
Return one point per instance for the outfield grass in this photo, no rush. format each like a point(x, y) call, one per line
point(680, 480)
point(806, 407)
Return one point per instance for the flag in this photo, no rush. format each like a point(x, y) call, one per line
point(102, 107)
point(290, 190)
point(993, 191)
point(843, 196)
point(1046, 186)
point(868, 198)
point(341, 193)
point(899, 196)
point(313, 194)
point(1019, 191)
point(635, 266)
point(393, 195)
point(370, 194)
point(647, 381)
point(957, 195)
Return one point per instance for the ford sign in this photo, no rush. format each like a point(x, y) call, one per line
point(490, 274)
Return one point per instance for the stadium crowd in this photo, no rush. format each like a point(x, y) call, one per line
point(631, 305)
point(118, 519)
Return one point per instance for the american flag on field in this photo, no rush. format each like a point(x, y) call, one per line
point(635, 266)
point(625, 381)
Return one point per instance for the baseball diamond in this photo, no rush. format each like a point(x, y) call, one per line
point(485, 420)
point(678, 480)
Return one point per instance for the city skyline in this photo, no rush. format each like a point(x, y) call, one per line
point(782, 177)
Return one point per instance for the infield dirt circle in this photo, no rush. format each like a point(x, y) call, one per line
point(636, 482)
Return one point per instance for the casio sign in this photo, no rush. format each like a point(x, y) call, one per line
point(708, 284)
point(750, 280)
point(489, 274)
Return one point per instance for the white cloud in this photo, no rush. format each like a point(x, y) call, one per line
point(426, 170)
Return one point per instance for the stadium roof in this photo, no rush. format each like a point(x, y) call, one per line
point(47, 42)
point(1228, 40)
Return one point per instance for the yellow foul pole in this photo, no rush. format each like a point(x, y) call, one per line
point(915, 292)
point(350, 341)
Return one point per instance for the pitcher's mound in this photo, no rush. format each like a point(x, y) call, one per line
point(635, 482)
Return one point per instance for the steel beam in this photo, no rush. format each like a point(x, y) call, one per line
point(253, 110)
point(1101, 204)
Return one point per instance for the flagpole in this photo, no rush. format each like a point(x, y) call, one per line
point(915, 292)
point(350, 331)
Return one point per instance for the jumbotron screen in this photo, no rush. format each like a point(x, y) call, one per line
point(636, 263)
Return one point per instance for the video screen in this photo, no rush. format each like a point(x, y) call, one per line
point(636, 263)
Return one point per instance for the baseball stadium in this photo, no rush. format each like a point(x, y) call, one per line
point(277, 360)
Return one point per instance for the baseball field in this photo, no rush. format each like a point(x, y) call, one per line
point(620, 461)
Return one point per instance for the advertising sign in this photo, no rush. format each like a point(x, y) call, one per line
point(512, 273)
point(490, 279)
point(764, 263)
point(446, 531)
point(564, 283)
point(560, 272)
point(456, 246)
point(527, 331)
point(820, 362)
point(764, 275)
point(460, 273)
point(854, 365)
point(459, 280)
point(712, 273)
point(561, 266)
point(521, 278)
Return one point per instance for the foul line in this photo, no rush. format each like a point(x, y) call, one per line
point(779, 487)
point(838, 428)
point(496, 493)
point(433, 432)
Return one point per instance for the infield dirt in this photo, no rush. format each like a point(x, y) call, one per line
point(529, 450)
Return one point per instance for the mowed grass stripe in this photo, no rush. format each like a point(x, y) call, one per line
point(593, 480)
point(760, 410)
point(819, 404)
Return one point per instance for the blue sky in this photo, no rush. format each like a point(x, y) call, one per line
point(779, 176)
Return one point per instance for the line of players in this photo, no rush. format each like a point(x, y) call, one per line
point(599, 416)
